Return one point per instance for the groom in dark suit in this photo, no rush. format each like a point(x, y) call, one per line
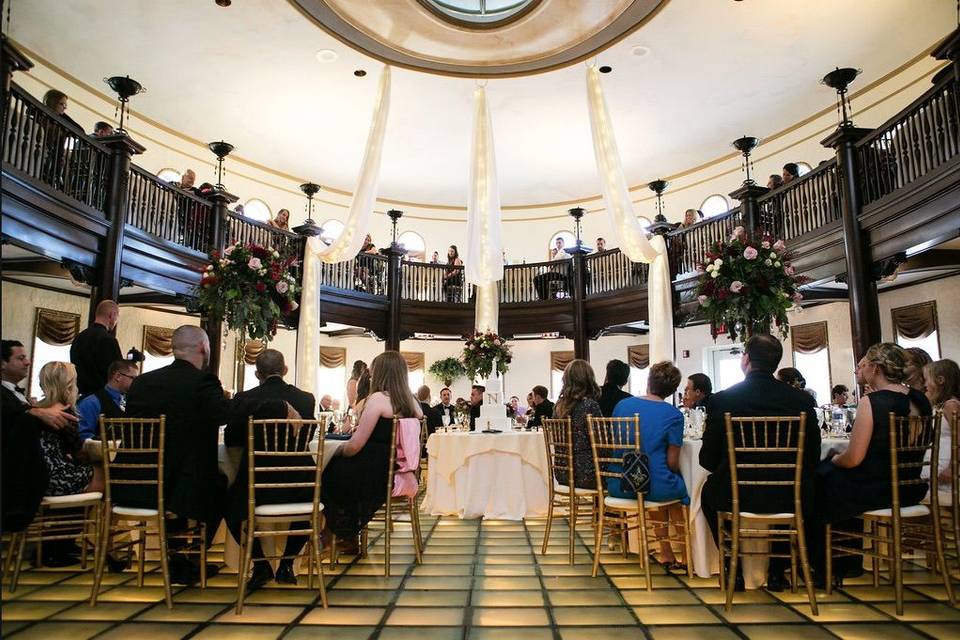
point(760, 394)
point(195, 405)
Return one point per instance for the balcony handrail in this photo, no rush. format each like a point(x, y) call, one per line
point(907, 111)
point(165, 185)
point(262, 225)
point(19, 92)
point(168, 212)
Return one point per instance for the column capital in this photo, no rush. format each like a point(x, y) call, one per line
point(748, 190)
point(122, 142)
point(842, 135)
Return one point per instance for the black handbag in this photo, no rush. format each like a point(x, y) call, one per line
point(635, 476)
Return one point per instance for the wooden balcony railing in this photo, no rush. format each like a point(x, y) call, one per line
point(803, 205)
point(613, 271)
point(536, 281)
point(168, 212)
point(912, 144)
point(688, 245)
point(367, 273)
point(52, 151)
point(433, 283)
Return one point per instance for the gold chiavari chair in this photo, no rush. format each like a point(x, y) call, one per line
point(914, 444)
point(558, 439)
point(949, 499)
point(764, 452)
point(72, 517)
point(610, 439)
point(133, 456)
point(270, 444)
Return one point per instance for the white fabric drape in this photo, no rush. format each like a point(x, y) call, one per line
point(625, 226)
point(344, 247)
point(483, 260)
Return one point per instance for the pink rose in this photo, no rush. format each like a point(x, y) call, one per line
point(790, 270)
point(765, 244)
point(702, 299)
point(797, 298)
point(736, 286)
point(282, 287)
point(738, 232)
point(779, 245)
point(750, 253)
point(255, 264)
point(229, 250)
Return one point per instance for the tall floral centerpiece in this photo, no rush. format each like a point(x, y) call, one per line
point(481, 351)
point(747, 285)
point(250, 287)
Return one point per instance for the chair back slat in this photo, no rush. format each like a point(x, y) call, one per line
point(780, 441)
point(912, 438)
point(610, 439)
point(271, 444)
point(133, 453)
point(558, 439)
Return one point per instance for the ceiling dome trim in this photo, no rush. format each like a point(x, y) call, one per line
point(508, 53)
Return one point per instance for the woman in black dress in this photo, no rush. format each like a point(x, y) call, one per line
point(577, 400)
point(858, 480)
point(355, 481)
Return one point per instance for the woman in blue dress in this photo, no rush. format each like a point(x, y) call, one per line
point(661, 434)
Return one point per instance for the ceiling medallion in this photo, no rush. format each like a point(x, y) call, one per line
point(480, 38)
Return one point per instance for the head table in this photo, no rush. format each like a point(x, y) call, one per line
point(489, 475)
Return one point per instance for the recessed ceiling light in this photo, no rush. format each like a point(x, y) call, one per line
point(640, 50)
point(359, 73)
point(605, 69)
point(327, 55)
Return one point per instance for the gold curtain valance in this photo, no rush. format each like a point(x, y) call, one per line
point(560, 359)
point(415, 361)
point(158, 341)
point(809, 338)
point(57, 328)
point(333, 357)
point(638, 356)
point(251, 350)
point(915, 321)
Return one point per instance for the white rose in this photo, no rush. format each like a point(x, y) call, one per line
point(768, 262)
point(714, 274)
point(773, 256)
point(718, 262)
point(777, 264)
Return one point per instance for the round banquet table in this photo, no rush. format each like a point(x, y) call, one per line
point(488, 475)
point(703, 548)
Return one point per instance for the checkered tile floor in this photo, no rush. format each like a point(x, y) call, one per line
point(478, 580)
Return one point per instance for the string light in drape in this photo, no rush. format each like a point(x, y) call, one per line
point(347, 245)
point(625, 226)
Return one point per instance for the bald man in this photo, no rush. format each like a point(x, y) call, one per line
point(195, 405)
point(95, 349)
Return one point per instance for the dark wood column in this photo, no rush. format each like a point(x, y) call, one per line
point(219, 227)
point(394, 254)
point(122, 148)
point(861, 288)
point(747, 194)
point(578, 281)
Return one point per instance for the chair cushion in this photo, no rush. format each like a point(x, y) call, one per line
point(562, 488)
point(631, 503)
point(120, 510)
point(915, 511)
point(287, 509)
point(764, 516)
point(72, 500)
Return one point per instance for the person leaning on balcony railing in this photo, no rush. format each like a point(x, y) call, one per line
point(58, 150)
point(453, 275)
point(775, 181)
point(281, 221)
point(790, 172)
point(102, 129)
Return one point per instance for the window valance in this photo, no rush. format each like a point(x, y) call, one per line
point(809, 338)
point(57, 328)
point(415, 361)
point(251, 350)
point(916, 320)
point(560, 359)
point(639, 356)
point(158, 341)
point(333, 357)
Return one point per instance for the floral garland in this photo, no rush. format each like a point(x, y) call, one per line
point(747, 286)
point(479, 352)
point(250, 287)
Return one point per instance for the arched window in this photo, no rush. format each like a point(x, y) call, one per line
point(714, 205)
point(569, 240)
point(803, 168)
point(414, 244)
point(169, 175)
point(330, 231)
point(256, 209)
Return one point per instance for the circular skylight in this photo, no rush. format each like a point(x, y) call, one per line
point(479, 14)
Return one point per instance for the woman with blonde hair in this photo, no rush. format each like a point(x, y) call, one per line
point(917, 360)
point(942, 381)
point(61, 449)
point(578, 399)
point(355, 481)
point(858, 479)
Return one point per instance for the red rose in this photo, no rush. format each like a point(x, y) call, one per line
point(260, 287)
point(722, 294)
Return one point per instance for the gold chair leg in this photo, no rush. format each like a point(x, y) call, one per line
point(320, 577)
point(18, 563)
point(364, 541)
point(644, 545)
point(8, 557)
point(721, 552)
point(246, 558)
point(164, 559)
point(794, 578)
point(417, 533)
point(875, 549)
point(734, 551)
point(942, 557)
point(896, 566)
point(828, 544)
point(388, 515)
point(546, 531)
point(571, 540)
point(203, 555)
point(597, 540)
point(805, 567)
point(142, 545)
point(101, 560)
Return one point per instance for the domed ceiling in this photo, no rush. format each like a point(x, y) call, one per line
point(266, 77)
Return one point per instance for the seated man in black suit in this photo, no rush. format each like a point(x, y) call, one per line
point(195, 405)
point(260, 402)
point(543, 408)
point(476, 401)
point(445, 408)
point(760, 394)
point(618, 374)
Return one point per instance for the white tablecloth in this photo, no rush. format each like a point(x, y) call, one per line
point(703, 548)
point(501, 475)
